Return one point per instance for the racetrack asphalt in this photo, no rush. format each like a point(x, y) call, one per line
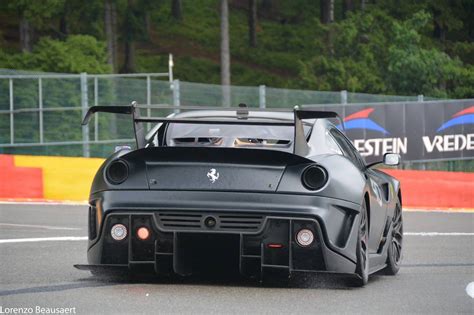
point(436, 270)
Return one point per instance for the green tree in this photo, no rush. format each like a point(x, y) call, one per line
point(132, 31)
point(33, 14)
point(373, 52)
point(79, 53)
point(355, 57)
point(414, 69)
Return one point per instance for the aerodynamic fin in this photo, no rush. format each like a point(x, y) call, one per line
point(301, 146)
point(131, 109)
point(107, 109)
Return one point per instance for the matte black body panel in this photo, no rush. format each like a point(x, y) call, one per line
point(330, 214)
point(162, 176)
point(179, 168)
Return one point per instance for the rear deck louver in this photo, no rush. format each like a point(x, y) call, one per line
point(180, 221)
point(252, 223)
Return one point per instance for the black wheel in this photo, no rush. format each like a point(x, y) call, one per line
point(394, 254)
point(362, 250)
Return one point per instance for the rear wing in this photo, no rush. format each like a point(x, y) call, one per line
point(241, 114)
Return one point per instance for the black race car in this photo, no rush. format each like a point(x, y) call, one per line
point(267, 192)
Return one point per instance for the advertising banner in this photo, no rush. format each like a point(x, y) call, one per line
point(431, 130)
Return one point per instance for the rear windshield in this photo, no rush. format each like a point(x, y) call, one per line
point(237, 136)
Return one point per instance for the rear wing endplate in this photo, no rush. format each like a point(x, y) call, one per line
point(138, 127)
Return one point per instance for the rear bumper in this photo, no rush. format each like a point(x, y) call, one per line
point(259, 219)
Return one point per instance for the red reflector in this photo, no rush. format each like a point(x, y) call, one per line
point(275, 245)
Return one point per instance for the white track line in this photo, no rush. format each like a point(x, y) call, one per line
point(47, 227)
point(44, 239)
point(438, 233)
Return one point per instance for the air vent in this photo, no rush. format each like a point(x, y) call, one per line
point(202, 141)
point(179, 221)
point(234, 222)
point(92, 223)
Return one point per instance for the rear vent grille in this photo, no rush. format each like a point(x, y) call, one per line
point(175, 220)
point(179, 221)
point(252, 223)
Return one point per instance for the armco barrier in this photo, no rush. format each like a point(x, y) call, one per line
point(67, 178)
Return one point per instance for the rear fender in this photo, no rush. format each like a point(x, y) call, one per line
point(345, 181)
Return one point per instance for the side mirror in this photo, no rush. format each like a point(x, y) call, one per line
point(391, 159)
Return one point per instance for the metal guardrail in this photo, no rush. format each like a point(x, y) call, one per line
point(84, 97)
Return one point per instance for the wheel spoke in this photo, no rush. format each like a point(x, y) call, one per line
point(396, 250)
point(396, 241)
point(397, 236)
point(398, 215)
point(362, 220)
point(363, 235)
point(397, 225)
point(363, 256)
point(363, 224)
point(396, 253)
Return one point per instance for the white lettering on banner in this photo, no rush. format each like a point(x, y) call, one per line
point(379, 146)
point(449, 143)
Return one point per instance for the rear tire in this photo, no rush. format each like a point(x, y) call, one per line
point(394, 252)
point(362, 251)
